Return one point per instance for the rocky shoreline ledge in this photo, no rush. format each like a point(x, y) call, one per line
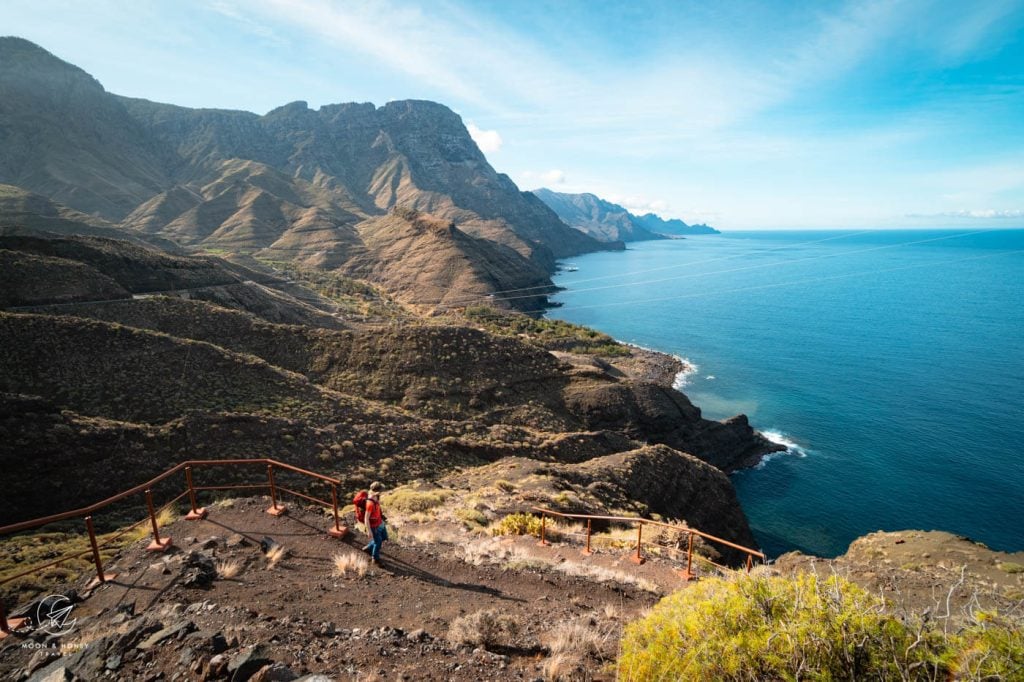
point(657, 367)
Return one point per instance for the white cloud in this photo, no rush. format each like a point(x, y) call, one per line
point(638, 205)
point(488, 140)
point(553, 177)
point(546, 178)
point(246, 22)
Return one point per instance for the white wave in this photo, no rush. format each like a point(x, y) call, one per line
point(779, 438)
point(683, 378)
point(710, 377)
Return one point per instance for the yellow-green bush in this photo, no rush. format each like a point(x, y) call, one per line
point(992, 649)
point(472, 517)
point(806, 628)
point(411, 501)
point(521, 524)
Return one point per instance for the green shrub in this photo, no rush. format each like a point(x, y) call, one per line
point(992, 649)
point(807, 628)
point(522, 524)
point(505, 486)
point(411, 501)
point(472, 517)
point(767, 628)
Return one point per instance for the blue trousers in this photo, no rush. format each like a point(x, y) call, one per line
point(380, 534)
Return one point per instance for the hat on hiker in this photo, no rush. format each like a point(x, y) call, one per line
point(376, 487)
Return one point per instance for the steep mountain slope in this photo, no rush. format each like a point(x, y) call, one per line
point(596, 217)
point(23, 212)
point(610, 222)
point(64, 137)
point(313, 186)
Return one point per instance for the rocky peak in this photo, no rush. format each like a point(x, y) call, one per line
point(22, 62)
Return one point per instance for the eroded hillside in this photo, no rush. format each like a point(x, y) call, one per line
point(399, 195)
point(171, 377)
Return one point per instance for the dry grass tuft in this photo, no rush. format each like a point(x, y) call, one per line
point(607, 575)
point(576, 639)
point(347, 562)
point(493, 551)
point(483, 628)
point(228, 569)
point(275, 555)
point(427, 535)
point(558, 668)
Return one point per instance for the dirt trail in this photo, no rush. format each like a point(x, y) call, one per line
point(393, 622)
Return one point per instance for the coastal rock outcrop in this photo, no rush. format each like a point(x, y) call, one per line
point(663, 415)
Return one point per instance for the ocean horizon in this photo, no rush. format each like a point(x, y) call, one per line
point(889, 363)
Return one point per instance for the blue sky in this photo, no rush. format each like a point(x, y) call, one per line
point(894, 113)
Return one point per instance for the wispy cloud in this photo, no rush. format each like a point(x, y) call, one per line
point(805, 114)
point(451, 50)
point(639, 205)
point(246, 22)
point(531, 179)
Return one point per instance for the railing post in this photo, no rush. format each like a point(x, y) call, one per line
point(158, 544)
point(587, 550)
point(543, 530)
point(196, 513)
point(688, 573)
point(275, 509)
point(338, 531)
point(638, 558)
point(750, 562)
point(101, 577)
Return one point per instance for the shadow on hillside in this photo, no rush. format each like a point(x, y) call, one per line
point(398, 567)
point(391, 563)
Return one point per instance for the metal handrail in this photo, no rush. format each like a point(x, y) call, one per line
point(160, 544)
point(638, 557)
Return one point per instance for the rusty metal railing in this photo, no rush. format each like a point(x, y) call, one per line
point(161, 543)
point(638, 558)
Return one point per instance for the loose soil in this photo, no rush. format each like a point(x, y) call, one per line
point(393, 622)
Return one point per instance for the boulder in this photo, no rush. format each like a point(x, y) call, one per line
point(246, 663)
point(198, 570)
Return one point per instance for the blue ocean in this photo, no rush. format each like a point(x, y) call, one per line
point(890, 362)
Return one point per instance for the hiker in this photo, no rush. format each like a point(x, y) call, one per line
point(375, 526)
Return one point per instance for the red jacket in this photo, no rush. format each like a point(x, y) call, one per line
point(374, 517)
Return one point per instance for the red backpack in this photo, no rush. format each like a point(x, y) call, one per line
point(359, 502)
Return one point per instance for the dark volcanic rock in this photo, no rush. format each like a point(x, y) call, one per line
point(246, 663)
point(659, 414)
point(198, 570)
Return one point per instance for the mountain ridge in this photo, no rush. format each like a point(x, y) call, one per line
point(610, 222)
point(312, 186)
